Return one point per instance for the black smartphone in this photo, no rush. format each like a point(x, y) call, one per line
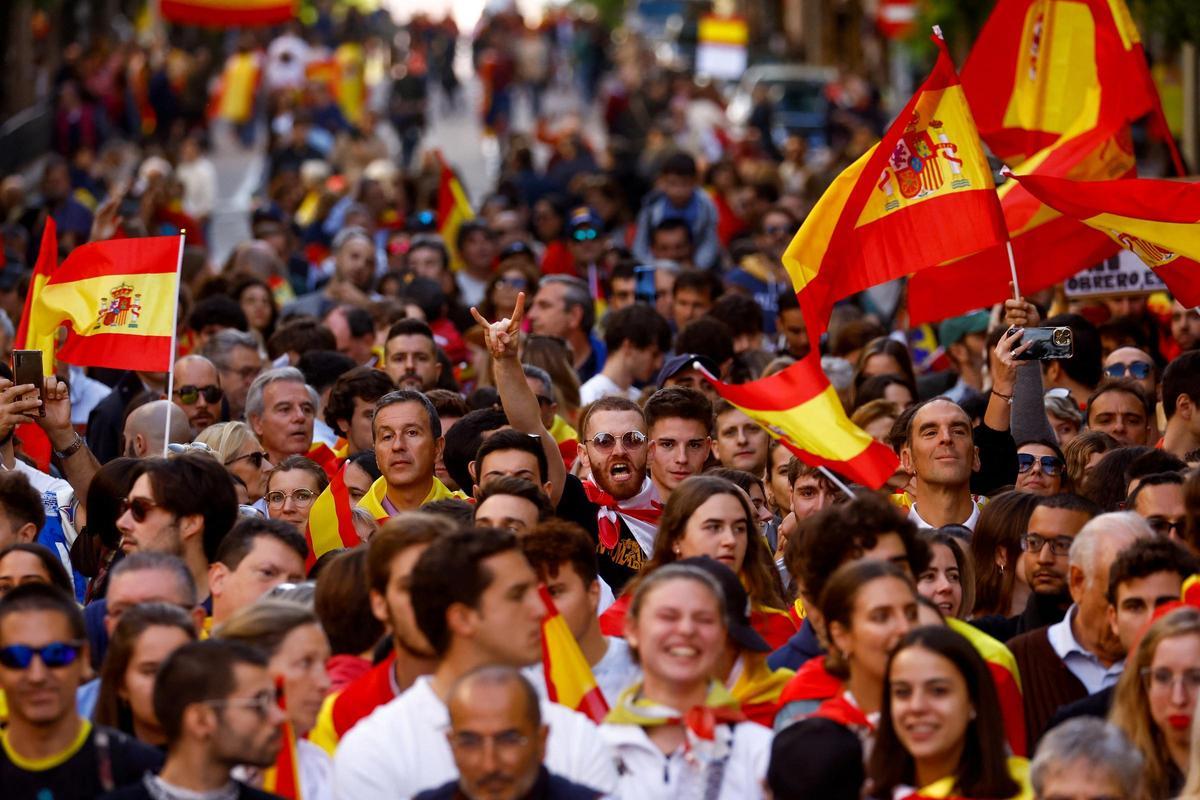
point(643, 285)
point(1048, 343)
point(27, 368)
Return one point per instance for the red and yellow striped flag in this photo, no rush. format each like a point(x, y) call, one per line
point(923, 196)
point(1007, 678)
point(227, 13)
point(47, 261)
point(569, 679)
point(799, 407)
point(283, 779)
point(331, 520)
point(117, 298)
point(453, 209)
point(1157, 220)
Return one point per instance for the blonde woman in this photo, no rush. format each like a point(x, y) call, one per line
point(241, 453)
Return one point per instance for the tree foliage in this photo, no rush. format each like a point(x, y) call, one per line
point(1175, 21)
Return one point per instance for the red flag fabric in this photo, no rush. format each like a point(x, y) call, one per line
point(569, 679)
point(46, 263)
point(331, 520)
point(283, 779)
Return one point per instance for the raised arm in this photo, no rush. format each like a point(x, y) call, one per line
point(519, 402)
point(78, 463)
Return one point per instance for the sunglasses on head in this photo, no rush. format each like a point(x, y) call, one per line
point(256, 459)
point(138, 507)
point(630, 440)
point(1050, 464)
point(188, 395)
point(1137, 369)
point(55, 654)
point(584, 234)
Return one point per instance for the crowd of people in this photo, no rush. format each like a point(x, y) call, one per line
point(518, 412)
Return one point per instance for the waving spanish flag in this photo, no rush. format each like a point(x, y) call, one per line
point(1158, 220)
point(227, 13)
point(799, 407)
point(923, 196)
point(453, 208)
point(116, 297)
point(569, 679)
point(331, 520)
point(1047, 246)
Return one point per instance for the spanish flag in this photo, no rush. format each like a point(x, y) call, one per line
point(1041, 68)
point(1047, 247)
point(453, 208)
point(799, 407)
point(117, 298)
point(331, 520)
point(1007, 679)
point(227, 13)
point(283, 779)
point(47, 261)
point(921, 197)
point(1156, 220)
point(569, 679)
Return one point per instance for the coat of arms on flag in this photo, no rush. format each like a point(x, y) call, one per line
point(120, 310)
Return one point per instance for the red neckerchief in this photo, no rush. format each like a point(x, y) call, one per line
point(607, 521)
point(844, 712)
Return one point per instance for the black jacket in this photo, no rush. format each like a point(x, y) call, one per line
point(547, 787)
point(106, 423)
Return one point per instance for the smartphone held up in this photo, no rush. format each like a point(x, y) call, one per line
point(27, 369)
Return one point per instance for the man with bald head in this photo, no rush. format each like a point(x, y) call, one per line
point(939, 452)
point(197, 391)
point(145, 427)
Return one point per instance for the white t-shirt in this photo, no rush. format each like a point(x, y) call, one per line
point(470, 288)
point(401, 749)
point(600, 385)
point(646, 774)
point(613, 672)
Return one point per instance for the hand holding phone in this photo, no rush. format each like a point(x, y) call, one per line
point(27, 369)
point(1046, 344)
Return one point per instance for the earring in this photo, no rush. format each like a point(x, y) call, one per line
point(971, 716)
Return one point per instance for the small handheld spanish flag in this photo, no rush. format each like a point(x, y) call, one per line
point(331, 520)
point(283, 779)
point(569, 679)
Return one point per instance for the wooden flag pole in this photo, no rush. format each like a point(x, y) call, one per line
point(174, 328)
point(1012, 262)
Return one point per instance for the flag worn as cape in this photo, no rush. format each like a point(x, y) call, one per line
point(1157, 220)
point(569, 679)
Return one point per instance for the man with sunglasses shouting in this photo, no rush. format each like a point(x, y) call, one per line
point(48, 749)
point(197, 390)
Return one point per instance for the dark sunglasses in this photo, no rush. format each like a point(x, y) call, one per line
point(630, 440)
point(584, 234)
point(188, 395)
point(1050, 464)
point(1138, 369)
point(55, 654)
point(139, 507)
point(256, 459)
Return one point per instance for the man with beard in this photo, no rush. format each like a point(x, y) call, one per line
point(197, 390)
point(410, 356)
point(281, 410)
point(391, 556)
point(408, 441)
point(216, 703)
point(1081, 654)
point(677, 420)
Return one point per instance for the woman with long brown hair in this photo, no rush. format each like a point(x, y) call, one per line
point(995, 551)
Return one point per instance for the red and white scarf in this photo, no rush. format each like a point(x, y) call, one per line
point(640, 514)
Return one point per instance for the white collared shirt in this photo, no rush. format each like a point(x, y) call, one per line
point(920, 523)
point(1083, 665)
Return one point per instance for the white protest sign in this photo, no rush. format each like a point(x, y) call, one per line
point(1124, 273)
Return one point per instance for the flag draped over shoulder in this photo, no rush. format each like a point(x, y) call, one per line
point(227, 13)
point(117, 299)
point(569, 679)
point(1047, 247)
point(799, 407)
point(331, 520)
point(923, 196)
point(1157, 220)
point(453, 209)
point(1041, 68)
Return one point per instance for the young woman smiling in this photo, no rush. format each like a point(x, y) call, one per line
point(678, 732)
point(940, 728)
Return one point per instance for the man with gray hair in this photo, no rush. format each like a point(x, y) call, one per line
point(564, 307)
point(1081, 654)
point(353, 274)
point(146, 425)
point(281, 409)
point(408, 441)
point(238, 361)
point(1086, 757)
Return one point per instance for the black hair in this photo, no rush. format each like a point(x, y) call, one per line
point(1105, 483)
point(321, 368)
point(680, 402)
point(43, 597)
point(511, 439)
point(1182, 376)
point(707, 336)
point(54, 568)
point(680, 164)
point(1153, 463)
point(638, 324)
point(238, 543)
point(410, 327)
point(358, 319)
point(1126, 385)
point(22, 503)
point(1153, 479)
point(198, 672)
point(515, 487)
point(362, 383)
point(1066, 501)
point(367, 463)
point(219, 309)
point(1145, 557)
point(196, 484)
point(1084, 366)
point(667, 225)
point(700, 280)
point(741, 314)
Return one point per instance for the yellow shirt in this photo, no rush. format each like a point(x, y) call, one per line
point(373, 500)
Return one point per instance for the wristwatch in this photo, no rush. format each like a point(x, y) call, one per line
point(73, 448)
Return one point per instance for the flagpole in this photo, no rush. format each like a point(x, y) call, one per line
point(1012, 262)
point(174, 328)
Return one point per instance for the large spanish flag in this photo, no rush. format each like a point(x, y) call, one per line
point(117, 299)
point(1047, 246)
point(1007, 678)
point(923, 196)
point(44, 339)
point(1041, 68)
point(1158, 220)
point(227, 13)
point(569, 679)
point(799, 407)
point(331, 520)
point(453, 208)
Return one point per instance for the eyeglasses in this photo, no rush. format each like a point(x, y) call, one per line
point(1163, 679)
point(584, 234)
point(138, 507)
point(1165, 527)
point(261, 703)
point(188, 395)
point(1051, 465)
point(53, 655)
point(1034, 543)
point(513, 283)
point(301, 497)
point(1138, 369)
point(256, 459)
point(183, 448)
point(472, 743)
point(630, 440)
